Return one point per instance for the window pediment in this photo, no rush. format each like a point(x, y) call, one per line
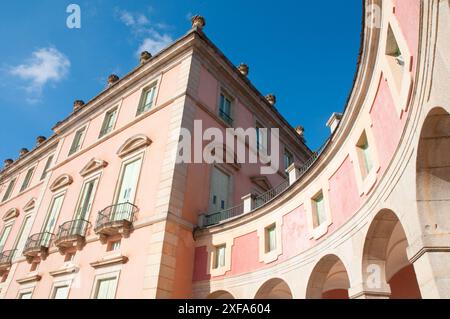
point(132, 144)
point(30, 205)
point(60, 182)
point(262, 181)
point(11, 214)
point(92, 166)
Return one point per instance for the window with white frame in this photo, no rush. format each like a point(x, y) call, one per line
point(395, 57)
point(288, 159)
point(25, 295)
point(27, 179)
point(147, 100)
point(271, 238)
point(225, 105)
point(319, 212)
point(77, 140)
point(23, 236)
point(9, 190)
point(261, 137)
point(61, 292)
point(86, 199)
point(47, 166)
point(105, 288)
point(108, 122)
point(4, 237)
point(219, 256)
point(52, 217)
point(364, 155)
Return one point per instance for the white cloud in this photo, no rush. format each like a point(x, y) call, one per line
point(151, 36)
point(45, 65)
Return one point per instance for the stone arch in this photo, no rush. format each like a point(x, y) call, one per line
point(132, 144)
point(274, 288)
point(386, 269)
point(220, 294)
point(328, 280)
point(433, 173)
point(62, 181)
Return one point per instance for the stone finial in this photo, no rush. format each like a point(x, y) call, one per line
point(8, 162)
point(243, 68)
point(198, 22)
point(271, 98)
point(145, 56)
point(23, 151)
point(78, 104)
point(40, 140)
point(112, 79)
point(300, 131)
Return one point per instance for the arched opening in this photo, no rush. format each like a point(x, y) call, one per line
point(220, 294)
point(275, 288)
point(385, 263)
point(433, 173)
point(328, 280)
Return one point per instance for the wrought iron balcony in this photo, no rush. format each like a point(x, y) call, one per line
point(116, 219)
point(6, 260)
point(72, 234)
point(37, 246)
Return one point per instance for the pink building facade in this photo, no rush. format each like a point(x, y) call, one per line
point(102, 209)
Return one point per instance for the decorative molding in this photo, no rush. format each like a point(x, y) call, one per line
point(30, 278)
point(133, 144)
point(93, 165)
point(30, 205)
point(60, 182)
point(11, 214)
point(262, 181)
point(68, 269)
point(109, 261)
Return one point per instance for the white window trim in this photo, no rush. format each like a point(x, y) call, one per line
point(222, 90)
point(65, 281)
point(117, 107)
point(155, 81)
point(400, 95)
point(24, 289)
point(140, 154)
point(226, 171)
point(366, 184)
point(322, 229)
point(106, 273)
point(271, 256)
point(87, 179)
point(30, 181)
point(56, 195)
point(211, 249)
point(28, 214)
point(83, 137)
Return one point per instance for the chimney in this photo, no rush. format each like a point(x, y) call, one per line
point(8, 162)
point(112, 79)
point(145, 56)
point(78, 104)
point(271, 98)
point(334, 121)
point(300, 131)
point(198, 22)
point(24, 151)
point(243, 68)
point(40, 140)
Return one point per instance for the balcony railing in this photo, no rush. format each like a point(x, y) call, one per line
point(72, 233)
point(115, 219)
point(6, 259)
point(37, 245)
point(266, 197)
point(217, 217)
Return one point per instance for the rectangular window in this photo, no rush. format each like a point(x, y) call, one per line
point(319, 210)
point(86, 199)
point(108, 122)
point(23, 236)
point(288, 159)
point(4, 237)
point(25, 295)
point(147, 100)
point(47, 166)
point(76, 143)
point(220, 186)
point(26, 181)
point(261, 137)
point(271, 239)
point(219, 256)
point(364, 155)
point(106, 288)
point(127, 189)
point(61, 292)
point(9, 190)
point(52, 217)
point(225, 109)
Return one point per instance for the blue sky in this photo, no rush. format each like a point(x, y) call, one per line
point(304, 52)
